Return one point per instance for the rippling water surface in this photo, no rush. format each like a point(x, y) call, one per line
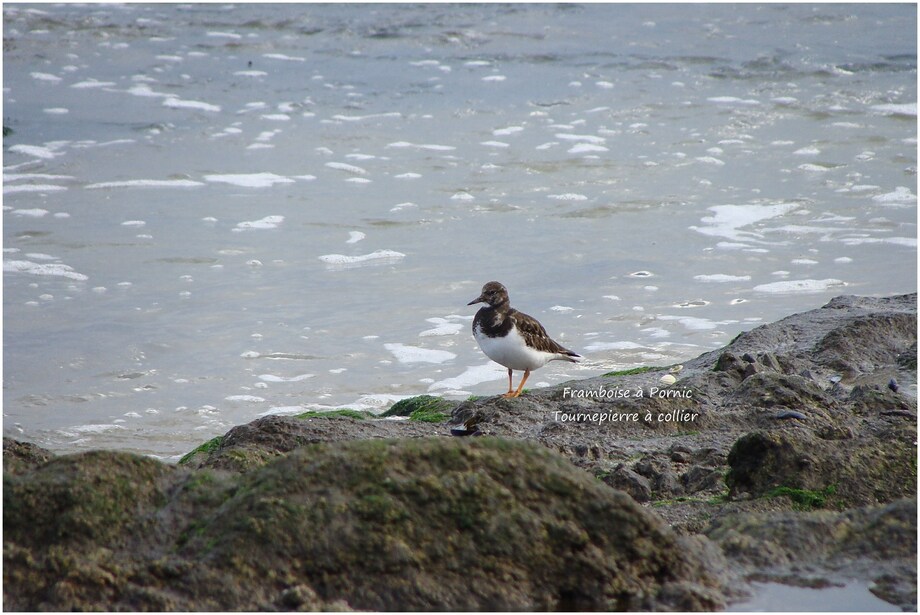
point(214, 212)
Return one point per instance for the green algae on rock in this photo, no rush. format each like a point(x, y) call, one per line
point(427, 408)
point(204, 449)
point(359, 415)
point(862, 471)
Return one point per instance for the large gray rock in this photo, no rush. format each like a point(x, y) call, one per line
point(424, 524)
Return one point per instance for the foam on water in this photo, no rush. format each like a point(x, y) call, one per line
point(32, 188)
point(43, 269)
point(415, 354)
point(274, 378)
point(377, 256)
point(470, 377)
point(249, 180)
point(147, 183)
point(799, 286)
point(728, 221)
point(721, 278)
point(268, 222)
point(38, 151)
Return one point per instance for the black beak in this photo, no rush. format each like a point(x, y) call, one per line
point(478, 299)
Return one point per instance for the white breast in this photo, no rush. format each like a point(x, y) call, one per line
point(511, 351)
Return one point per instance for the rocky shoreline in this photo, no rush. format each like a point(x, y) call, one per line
point(787, 456)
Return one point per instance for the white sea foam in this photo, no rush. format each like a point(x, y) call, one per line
point(900, 195)
point(355, 236)
point(510, 130)
point(45, 153)
point(593, 139)
point(217, 34)
point(178, 103)
point(144, 90)
point(728, 220)
point(732, 100)
point(721, 277)
point(586, 148)
point(426, 146)
point(909, 242)
point(45, 77)
point(97, 428)
point(249, 180)
point(443, 326)
point(799, 286)
point(348, 168)
point(245, 398)
point(268, 222)
point(694, 323)
point(52, 269)
point(35, 212)
point(896, 109)
point(568, 196)
point(32, 188)
point(361, 118)
point(378, 256)
point(92, 83)
point(414, 354)
point(56, 110)
point(604, 346)
point(12, 177)
point(470, 377)
point(281, 56)
point(147, 183)
point(495, 144)
point(274, 378)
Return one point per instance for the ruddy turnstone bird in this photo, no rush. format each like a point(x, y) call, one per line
point(512, 338)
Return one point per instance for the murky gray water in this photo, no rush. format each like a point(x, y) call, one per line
point(853, 596)
point(213, 212)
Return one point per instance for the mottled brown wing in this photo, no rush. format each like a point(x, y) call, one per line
point(535, 335)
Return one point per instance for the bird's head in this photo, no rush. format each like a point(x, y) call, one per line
point(493, 293)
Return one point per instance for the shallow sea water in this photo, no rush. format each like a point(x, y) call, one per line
point(851, 596)
point(216, 212)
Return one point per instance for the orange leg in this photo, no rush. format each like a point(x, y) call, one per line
point(520, 386)
point(510, 388)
